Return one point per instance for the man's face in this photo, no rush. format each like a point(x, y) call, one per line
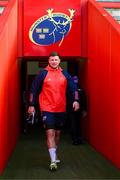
point(54, 61)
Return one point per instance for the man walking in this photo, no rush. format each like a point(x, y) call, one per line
point(52, 84)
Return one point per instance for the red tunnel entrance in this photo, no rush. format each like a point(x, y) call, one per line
point(93, 40)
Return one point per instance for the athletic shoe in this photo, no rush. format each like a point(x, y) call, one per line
point(53, 166)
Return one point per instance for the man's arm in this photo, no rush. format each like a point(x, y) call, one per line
point(35, 90)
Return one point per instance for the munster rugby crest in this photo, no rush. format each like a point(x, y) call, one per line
point(51, 28)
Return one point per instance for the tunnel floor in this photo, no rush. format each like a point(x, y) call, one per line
point(30, 160)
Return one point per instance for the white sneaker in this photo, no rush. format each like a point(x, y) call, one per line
point(53, 166)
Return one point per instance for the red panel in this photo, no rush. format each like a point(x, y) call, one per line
point(9, 84)
point(84, 33)
point(51, 35)
point(3, 3)
point(110, 4)
point(20, 26)
point(103, 71)
point(115, 97)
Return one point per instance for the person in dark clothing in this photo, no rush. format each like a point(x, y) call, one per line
point(75, 117)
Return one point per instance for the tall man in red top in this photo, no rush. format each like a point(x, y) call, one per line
point(52, 84)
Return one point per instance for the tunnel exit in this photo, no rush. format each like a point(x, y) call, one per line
point(73, 29)
point(31, 68)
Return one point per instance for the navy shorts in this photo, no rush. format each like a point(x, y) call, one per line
point(53, 120)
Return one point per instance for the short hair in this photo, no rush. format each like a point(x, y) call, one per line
point(54, 54)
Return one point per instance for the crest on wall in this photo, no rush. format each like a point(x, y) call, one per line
point(51, 28)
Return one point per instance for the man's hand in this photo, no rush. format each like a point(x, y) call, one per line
point(31, 109)
point(76, 105)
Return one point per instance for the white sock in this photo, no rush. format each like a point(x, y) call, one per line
point(52, 152)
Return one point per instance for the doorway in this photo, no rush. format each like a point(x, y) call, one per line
point(30, 68)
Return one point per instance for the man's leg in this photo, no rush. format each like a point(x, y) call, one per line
point(57, 141)
point(48, 123)
point(50, 134)
point(57, 137)
point(59, 123)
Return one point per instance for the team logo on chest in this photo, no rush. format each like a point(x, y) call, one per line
point(51, 28)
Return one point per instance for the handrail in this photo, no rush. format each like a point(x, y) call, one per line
point(106, 15)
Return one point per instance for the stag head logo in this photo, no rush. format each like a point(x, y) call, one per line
point(51, 28)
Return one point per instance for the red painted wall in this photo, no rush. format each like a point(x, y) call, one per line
point(20, 28)
point(110, 4)
point(9, 83)
point(103, 82)
point(84, 22)
point(71, 44)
